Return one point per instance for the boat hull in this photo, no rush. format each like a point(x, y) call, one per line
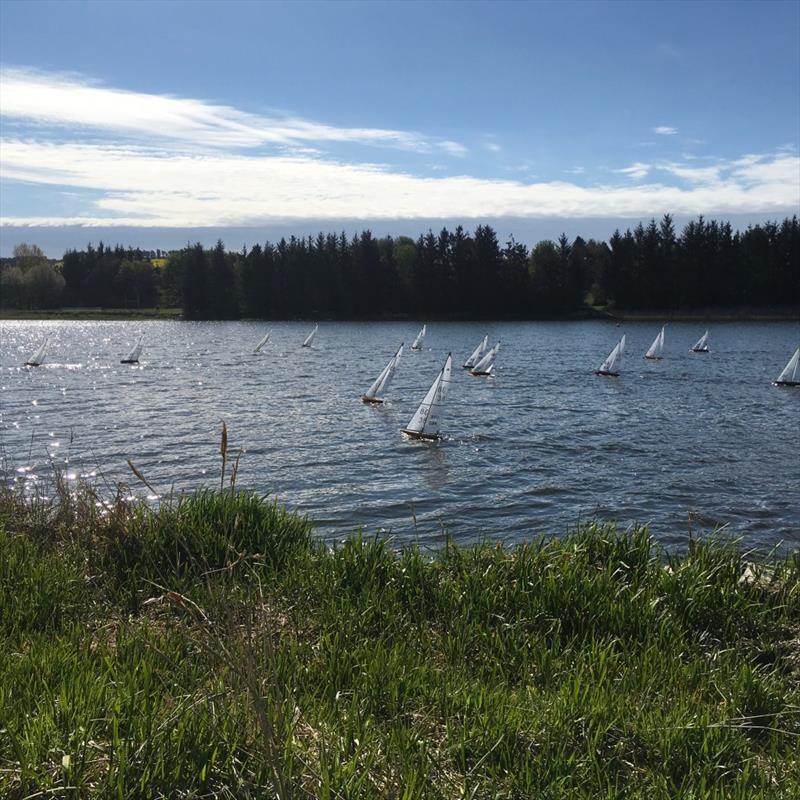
point(699, 350)
point(425, 437)
point(480, 374)
point(654, 358)
point(606, 373)
point(786, 383)
point(371, 400)
point(129, 361)
point(33, 363)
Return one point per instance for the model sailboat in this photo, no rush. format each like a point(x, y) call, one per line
point(701, 345)
point(610, 367)
point(133, 356)
point(486, 365)
point(373, 394)
point(477, 354)
point(791, 372)
point(37, 359)
point(425, 422)
point(657, 348)
point(310, 337)
point(263, 341)
point(417, 343)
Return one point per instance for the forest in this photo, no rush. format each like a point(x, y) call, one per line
point(450, 274)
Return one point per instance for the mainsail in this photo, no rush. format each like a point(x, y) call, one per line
point(417, 343)
point(791, 372)
point(477, 353)
point(611, 365)
point(38, 357)
point(310, 337)
point(263, 341)
point(657, 347)
point(486, 364)
point(701, 345)
point(373, 394)
point(425, 422)
point(133, 356)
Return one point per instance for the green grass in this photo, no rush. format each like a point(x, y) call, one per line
point(215, 648)
point(80, 313)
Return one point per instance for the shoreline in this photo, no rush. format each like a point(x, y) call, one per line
point(738, 314)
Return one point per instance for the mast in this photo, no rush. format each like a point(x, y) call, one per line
point(425, 422)
point(701, 345)
point(610, 367)
point(790, 375)
point(37, 359)
point(486, 364)
point(654, 353)
point(133, 356)
point(263, 341)
point(373, 394)
point(310, 337)
point(477, 353)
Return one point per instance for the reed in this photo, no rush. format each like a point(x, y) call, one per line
point(213, 647)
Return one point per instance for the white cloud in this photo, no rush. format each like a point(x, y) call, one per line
point(493, 147)
point(66, 101)
point(636, 171)
point(176, 162)
point(665, 130)
point(153, 187)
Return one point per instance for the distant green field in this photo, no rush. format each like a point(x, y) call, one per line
point(215, 649)
point(92, 313)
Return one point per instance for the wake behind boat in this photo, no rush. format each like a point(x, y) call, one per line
point(373, 394)
point(610, 367)
point(657, 348)
point(133, 356)
point(425, 422)
point(417, 343)
point(477, 353)
point(790, 376)
point(701, 345)
point(37, 359)
point(310, 337)
point(485, 366)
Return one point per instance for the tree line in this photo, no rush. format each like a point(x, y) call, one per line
point(446, 274)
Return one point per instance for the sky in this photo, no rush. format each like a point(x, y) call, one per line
point(156, 123)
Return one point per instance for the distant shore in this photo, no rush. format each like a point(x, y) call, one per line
point(737, 314)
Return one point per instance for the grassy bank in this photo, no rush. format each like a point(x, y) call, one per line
point(214, 648)
point(91, 313)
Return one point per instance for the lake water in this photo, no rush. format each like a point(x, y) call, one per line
point(539, 448)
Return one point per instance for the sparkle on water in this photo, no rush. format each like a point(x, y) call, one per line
point(540, 447)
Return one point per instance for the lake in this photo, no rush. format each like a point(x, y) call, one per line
point(535, 450)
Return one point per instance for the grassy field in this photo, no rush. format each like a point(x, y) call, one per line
point(215, 649)
point(91, 313)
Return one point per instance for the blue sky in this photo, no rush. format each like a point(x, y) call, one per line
point(150, 123)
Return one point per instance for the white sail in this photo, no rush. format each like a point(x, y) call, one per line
point(417, 343)
point(133, 356)
point(611, 365)
point(791, 372)
point(38, 357)
point(425, 422)
point(382, 381)
point(701, 345)
point(657, 347)
point(310, 337)
point(477, 353)
point(486, 364)
point(263, 341)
